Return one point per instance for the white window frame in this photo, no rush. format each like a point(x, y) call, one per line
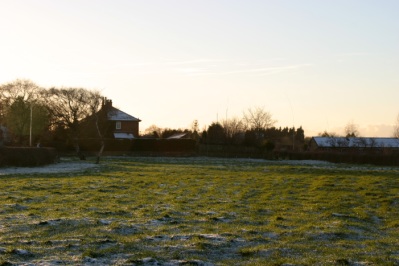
point(118, 125)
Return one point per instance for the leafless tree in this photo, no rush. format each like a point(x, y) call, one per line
point(154, 131)
point(396, 128)
point(258, 119)
point(21, 90)
point(195, 126)
point(100, 119)
point(69, 106)
point(233, 127)
point(325, 133)
point(351, 130)
point(195, 130)
point(19, 99)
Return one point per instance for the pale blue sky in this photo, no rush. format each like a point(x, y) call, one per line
point(316, 64)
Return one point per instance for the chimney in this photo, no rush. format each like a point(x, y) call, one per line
point(106, 102)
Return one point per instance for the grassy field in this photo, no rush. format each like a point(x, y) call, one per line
point(200, 211)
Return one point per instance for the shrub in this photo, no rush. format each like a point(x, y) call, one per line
point(13, 156)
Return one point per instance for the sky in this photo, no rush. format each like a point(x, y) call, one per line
point(319, 64)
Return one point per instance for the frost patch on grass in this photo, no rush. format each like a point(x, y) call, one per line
point(199, 212)
point(147, 261)
point(154, 262)
point(105, 222)
point(62, 167)
point(213, 237)
point(158, 238)
point(17, 207)
point(21, 252)
point(125, 230)
point(66, 222)
point(306, 162)
point(188, 262)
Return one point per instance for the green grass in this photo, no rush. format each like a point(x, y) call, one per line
point(202, 210)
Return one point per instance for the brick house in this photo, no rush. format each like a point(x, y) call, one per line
point(120, 124)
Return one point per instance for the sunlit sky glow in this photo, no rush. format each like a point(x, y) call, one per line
point(315, 64)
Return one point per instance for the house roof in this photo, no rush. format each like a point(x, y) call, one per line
point(178, 136)
point(114, 114)
point(356, 142)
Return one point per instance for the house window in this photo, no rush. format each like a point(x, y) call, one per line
point(118, 125)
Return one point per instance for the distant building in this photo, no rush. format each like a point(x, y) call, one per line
point(112, 123)
point(352, 143)
point(179, 136)
point(121, 125)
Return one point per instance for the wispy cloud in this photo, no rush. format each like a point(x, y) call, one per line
point(239, 68)
point(163, 66)
point(193, 62)
point(268, 70)
point(353, 54)
point(194, 67)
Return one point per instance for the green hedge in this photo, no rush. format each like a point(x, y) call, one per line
point(16, 156)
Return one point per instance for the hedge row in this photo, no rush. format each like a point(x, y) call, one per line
point(386, 159)
point(173, 147)
point(18, 156)
point(139, 145)
point(163, 145)
point(352, 157)
point(230, 151)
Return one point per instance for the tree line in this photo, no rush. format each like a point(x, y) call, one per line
point(34, 115)
point(255, 129)
point(30, 114)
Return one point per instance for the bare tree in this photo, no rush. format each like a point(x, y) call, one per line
point(258, 119)
point(154, 131)
point(233, 127)
point(195, 130)
point(22, 110)
point(20, 89)
point(100, 119)
point(69, 106)
point(351, 130)
point(325, 133)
